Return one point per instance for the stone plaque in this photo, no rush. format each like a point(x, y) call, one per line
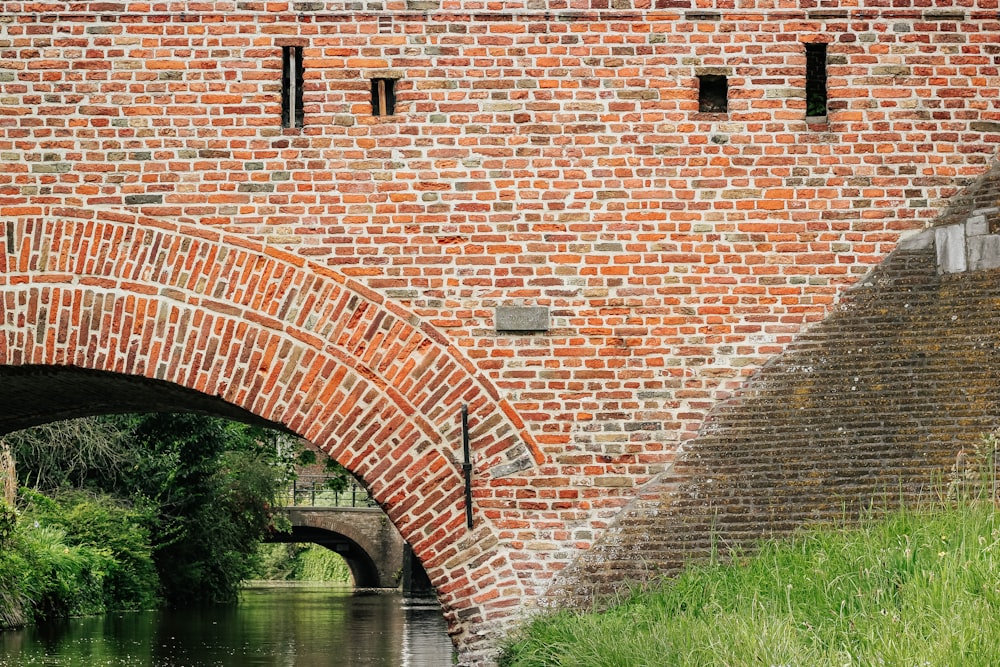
point(522, 318)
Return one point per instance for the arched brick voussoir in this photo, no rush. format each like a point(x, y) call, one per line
point(287, 344)
point(236, 276)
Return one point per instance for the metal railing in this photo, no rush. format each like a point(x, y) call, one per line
point(315, 491)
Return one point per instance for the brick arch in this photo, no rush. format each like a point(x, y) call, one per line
point(372, 548)
point(288, 342)
point(361, 562)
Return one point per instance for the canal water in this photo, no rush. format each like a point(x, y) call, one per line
point(293, 626)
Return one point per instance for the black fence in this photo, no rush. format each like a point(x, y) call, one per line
point(325, 491)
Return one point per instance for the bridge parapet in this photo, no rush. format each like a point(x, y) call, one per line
point(318, 491)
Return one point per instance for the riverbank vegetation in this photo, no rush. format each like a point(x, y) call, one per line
point(918, 587)
point(134, 512)
point(300, 562)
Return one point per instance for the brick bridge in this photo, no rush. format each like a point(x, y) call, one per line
point(668, 312)
point(371, 546)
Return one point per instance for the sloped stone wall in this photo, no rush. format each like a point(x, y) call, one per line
point(871, 408)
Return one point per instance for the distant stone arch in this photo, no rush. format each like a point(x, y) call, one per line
point(372, 548)
point(101, 311)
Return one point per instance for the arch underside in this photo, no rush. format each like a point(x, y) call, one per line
point(107, 313)
point(33, 395)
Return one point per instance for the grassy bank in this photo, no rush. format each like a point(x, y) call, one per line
point(300, 562)
point(917, 588)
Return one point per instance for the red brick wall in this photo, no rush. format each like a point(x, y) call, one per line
point(543, 154)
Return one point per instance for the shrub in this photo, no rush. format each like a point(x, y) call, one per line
point(129, 579)
point(63, 579)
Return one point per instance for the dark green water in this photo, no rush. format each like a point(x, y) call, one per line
point(272, 626)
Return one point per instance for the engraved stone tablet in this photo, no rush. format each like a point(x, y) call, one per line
point(522, 318)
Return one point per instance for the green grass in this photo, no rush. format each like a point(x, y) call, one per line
point(919, 588)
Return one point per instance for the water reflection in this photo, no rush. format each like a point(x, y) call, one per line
point(272, 627)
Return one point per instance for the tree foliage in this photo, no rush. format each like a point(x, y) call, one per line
point(178, 502)
point(70, 453)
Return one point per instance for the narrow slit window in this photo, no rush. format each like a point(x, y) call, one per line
point(9, 228)
point(713, 93)
point(815, 80)
point(291, 86)
point(383, 97)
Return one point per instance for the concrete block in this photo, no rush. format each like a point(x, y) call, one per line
point(950, 244)
point(984, 252)
point(508, 469)
point(522, 318)
point(919, 241)
point(976, 225)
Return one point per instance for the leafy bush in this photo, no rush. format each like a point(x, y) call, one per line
point(43, 576)
point(62, 579)
point(78, 553)
point(122, 530)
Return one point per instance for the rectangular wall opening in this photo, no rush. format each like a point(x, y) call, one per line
point(383, 97)
point(291, 86)
point(815, 80)
point(713, 93)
